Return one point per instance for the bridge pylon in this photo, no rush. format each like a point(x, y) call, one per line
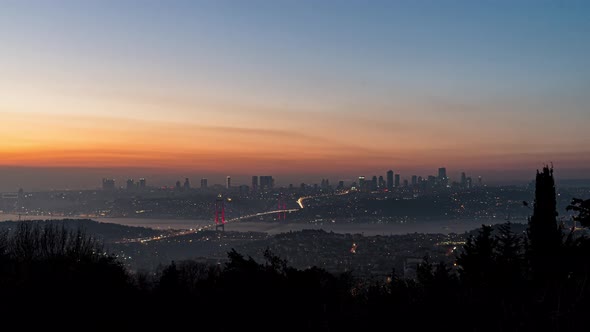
point(219, 213)
point(282, 205)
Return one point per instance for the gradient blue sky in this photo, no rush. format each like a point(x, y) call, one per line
point(311, 88)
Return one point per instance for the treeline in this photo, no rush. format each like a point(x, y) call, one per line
point(51, 275)
point(501, 281)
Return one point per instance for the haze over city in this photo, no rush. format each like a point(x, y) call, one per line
point(297, 89)
point(295, 165)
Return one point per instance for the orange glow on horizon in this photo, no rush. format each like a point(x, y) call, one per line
point(42, 140)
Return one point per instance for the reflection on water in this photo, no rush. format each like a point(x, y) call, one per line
point(442, 226)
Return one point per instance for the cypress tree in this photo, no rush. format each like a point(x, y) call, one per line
point(544, 234)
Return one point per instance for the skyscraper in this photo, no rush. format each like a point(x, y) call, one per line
point(228, 182)
point(187, 184)
point(142, 183)
point(108, 184)
point(266, 182)
point(390, 180)
point(463, 180)
point(381, 182)
point(254, 183)
point(442, 177)
point(374, 183)
point(414, 180)
point(397, 180)
point(361, 183)
point(203, 183)
point(431, 182)
point(130, 185)
point(442, 173)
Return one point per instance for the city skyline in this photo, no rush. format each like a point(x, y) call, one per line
point(300, 90)
point(171, 181)
point(294, 165)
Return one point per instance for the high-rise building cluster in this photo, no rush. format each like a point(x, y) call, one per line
point(108, 184)
point(261, 183)
point(266, 182)
point(394, 180)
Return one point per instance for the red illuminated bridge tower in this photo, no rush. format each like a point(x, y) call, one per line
point(282, 207)
point(219, 213)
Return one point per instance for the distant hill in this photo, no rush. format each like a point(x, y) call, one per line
point(105, 232)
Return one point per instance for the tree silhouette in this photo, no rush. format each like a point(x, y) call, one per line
point(46, 264)
point(582, 207)
point(544, 235)
point(477, 259)
point(170, 280)
point(509, 256)
point(424, 273)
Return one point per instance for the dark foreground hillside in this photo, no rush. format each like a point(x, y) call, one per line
point(51, 276)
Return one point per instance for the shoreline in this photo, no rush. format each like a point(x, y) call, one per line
point(368, 228)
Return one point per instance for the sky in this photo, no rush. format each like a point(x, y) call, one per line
point(301, 90)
